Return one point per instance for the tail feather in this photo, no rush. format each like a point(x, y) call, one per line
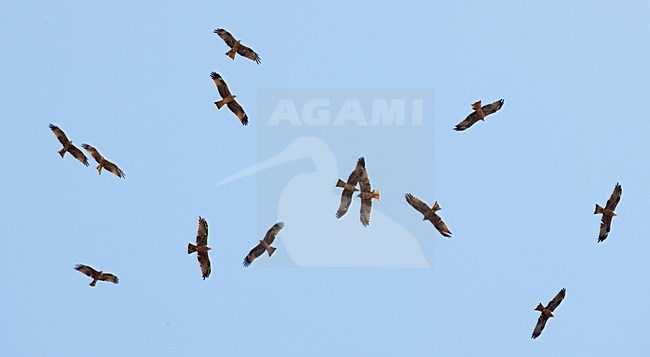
point(436, 206)
point(476, 105)
point(93, 282)
point(340, 183)
point(598, 209)
point(191, 248)
point(231, 53)
point(376, 194)
point(540, 307)
point(62, 152)
point(220, 103)
point(271, 250)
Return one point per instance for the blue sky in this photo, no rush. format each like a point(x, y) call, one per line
point(518, 191)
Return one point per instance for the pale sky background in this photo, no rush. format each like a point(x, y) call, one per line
point(518, 191)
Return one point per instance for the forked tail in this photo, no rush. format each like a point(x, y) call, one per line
point(191, 248)
point(340, 183)
point(271, 250)
point(540, 307)
point(598, 209)
point(375, 194)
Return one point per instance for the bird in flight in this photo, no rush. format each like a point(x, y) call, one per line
point(429, 214)
point(236, 46)
point(547, 312)
point(479, 113)
point(96, 275)
point(350, 187)
point(68, 146)
point(201, 248)
point(228, 99)
point(264, 245)
point(608, 212)
point(103, 163)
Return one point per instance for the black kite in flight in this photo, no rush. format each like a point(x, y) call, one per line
point(201, 248)
point(265, 244)
point(103, 163)
point(228, 99)
point(479, 113)
point(236, 46)
point(97, 275)
point(67, 145)
point(547, 312)
point(429, 214)
point(608, 212)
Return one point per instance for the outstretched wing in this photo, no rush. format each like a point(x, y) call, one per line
point(226, 37)
point(355, 175)
point(346, 200)
point(112, 168)
point(553, 304)
point(613, 200)
point(440, 225)
point(204, 262)
point(74, 151)
point(492, 107)
point(238, 111)
point(366, 203)
point(86, 270)
point(541, 322)
point(202, 232)
point(253, 254)
point(472, 118)
point(222, 87)
point(248, 53)
point(59, 134)
point(272, 232)
point(109, 277)
point(417, 204)
point(93, 152)
point(605, 227)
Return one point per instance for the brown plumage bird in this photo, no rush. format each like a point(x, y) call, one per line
point(479, 113)
point(228, 99)
point(96, 275)
point(264, 245)
point(547, 312)
point(201, 248)
point(367, 195)
point(608, 212)
point(429, 214)
point(103, 163)
point(236, 46)
point(350, 187)
point(67, 145)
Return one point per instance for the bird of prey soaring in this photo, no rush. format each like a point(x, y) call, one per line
point(97, 275)
point(350, 187)
point(547, 312)
point(367, 195)
point(228, 99)
point(429, 214)
point(236, 46)
point(265, 244)
point(201, 248)
point(67, 145)
point(479, 113)
point(103, 163)
point(608, 212)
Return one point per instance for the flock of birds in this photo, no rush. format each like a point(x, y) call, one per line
point(359, 176)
